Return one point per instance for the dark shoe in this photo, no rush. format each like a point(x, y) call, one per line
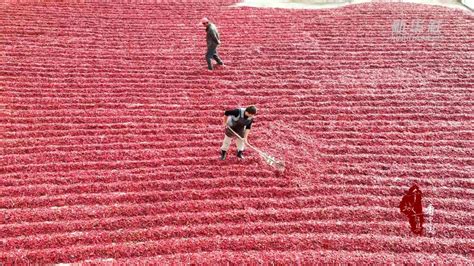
point(209, 66)
point(240, 154)
point(223, 154)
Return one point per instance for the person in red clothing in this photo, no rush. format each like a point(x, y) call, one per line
point(412, 208)
point(240, 121)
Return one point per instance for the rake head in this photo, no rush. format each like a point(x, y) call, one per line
point(270, 160)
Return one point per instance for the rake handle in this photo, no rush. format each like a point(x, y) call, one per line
point(248, 144)
point(261, 153)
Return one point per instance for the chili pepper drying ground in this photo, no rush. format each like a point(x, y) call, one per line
point(103, 159)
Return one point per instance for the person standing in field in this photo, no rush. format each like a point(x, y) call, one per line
point(411, 206)
point(240, 121)
point(213, 40)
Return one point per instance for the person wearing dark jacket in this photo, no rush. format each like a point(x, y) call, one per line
point(213, 40)
point(240, 121)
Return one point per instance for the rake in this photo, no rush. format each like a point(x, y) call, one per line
point(270, 160)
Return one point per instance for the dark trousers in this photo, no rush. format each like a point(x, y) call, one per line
point(212, 54)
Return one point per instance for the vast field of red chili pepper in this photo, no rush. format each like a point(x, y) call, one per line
point(111, 127)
